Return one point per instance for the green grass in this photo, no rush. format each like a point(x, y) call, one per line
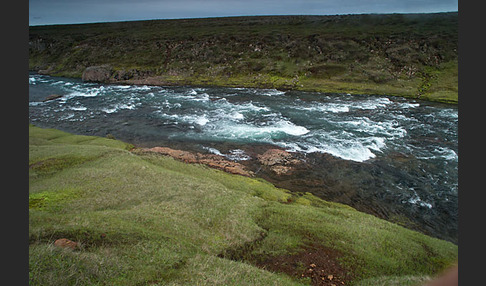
point(412, 55)
point(146, 219)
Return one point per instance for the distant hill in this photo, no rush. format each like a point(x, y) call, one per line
point(413, 55)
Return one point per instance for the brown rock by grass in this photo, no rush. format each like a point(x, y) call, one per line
point(211, 160)
point(66, 243)
point(280, 161)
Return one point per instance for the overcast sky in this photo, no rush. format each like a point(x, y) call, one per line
point(44, 12)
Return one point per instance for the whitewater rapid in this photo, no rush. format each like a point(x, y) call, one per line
point(402, 154)
point(354, 128)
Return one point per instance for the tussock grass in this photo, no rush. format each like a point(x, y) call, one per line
point(144, 219)
point(370, 54)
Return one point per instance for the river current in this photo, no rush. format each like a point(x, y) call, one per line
point(393, 157)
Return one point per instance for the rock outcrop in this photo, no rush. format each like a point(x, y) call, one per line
point(280, 161)
point(97, 73)
point(66, 243)
point(52, 97)
point(211, 160)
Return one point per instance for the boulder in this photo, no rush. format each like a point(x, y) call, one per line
point(280, 161)
point(52, 97)
point(45, 71)
point(97, 73)
point(210, 160)
point(274, 157)
point(281, 170)
point(66, 243)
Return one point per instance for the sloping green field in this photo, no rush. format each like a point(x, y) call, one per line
point(146, 219)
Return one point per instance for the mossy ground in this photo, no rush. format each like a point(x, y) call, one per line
point(145, 219)
point(411, 55)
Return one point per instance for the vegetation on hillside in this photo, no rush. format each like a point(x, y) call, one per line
point(140, 218)
point(412, 55)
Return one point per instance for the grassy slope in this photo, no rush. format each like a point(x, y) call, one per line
point(169, 223)
point(413, 55)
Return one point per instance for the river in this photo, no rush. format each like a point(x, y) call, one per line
point(392, 157)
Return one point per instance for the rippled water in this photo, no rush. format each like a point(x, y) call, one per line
point(413, 143)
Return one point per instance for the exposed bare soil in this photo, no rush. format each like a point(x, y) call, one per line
point(319, 263)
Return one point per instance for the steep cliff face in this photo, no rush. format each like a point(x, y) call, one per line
point(276, 51)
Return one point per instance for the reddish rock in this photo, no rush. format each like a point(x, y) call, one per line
point(210, 160)
point(274, 156)
point(281, 170)
point(280, 161)
point(66, 243)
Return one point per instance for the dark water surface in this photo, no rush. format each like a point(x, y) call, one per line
point(392, 157)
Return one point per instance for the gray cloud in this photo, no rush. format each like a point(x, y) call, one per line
point(70, 11)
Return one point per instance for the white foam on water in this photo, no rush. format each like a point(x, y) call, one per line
point(223, 104)
point(366, 125)
point(327, 107)
point(290, 128)
point(443, 153)
point(225, 110)
point(200, 120)
point(91, 93)
point(109, 110)
point(213, 150)
point(193, 96)
point(272, 92)
point(409, 105)
point(234, 155)
point(66, 116)
point(337, 108)
point(449, 113)
point(35, 103)
point(167, 116)
point(259, 133)
point(118, 107)
point(372, 103)
point(137, 87)
point(238, 155)
point(78, 108)
point(447, 154)
point(416, 200)
point(251, 107)
point(34, 79)
point(203, 120)
point(235, 115)
point(121, 86)
point(375, 143)
point(353, 151)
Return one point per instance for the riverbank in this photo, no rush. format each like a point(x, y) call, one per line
point(410, 55)
point(390, 157)
point(144, 218)
point(442, 88)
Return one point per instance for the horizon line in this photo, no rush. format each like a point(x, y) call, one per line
point(240, 16)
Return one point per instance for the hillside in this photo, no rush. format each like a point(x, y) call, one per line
point(140, 218)
point(412, 55)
